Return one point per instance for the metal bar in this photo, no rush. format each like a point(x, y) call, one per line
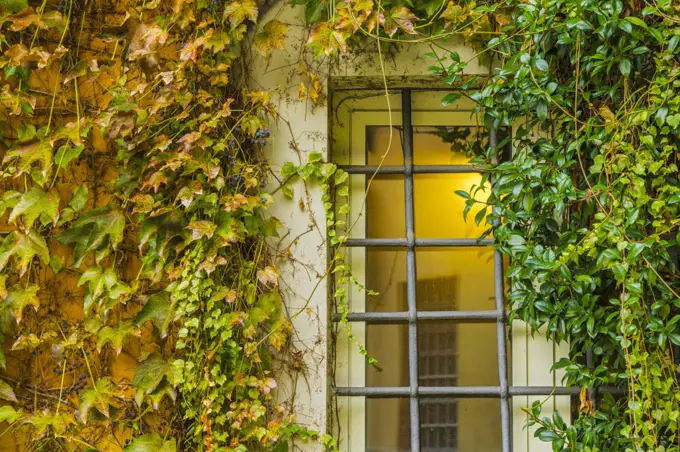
point(492, 392)
point(411, 278)
point(403, 317)
point(420, 243)
point(417, 169)
point(506, 439)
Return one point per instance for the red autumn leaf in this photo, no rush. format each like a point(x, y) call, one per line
point(156, 180)
point(190, 138)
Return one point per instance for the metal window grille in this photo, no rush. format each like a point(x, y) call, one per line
point(421, 390)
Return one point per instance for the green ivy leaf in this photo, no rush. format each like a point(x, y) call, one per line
point(157, 309)
point(9, 200)
point(6, 392)
point(79, 198)
point(66, 153)
point(23, 247)
point(19, 297)
point(97, 397)
point(116, 335)
point(9, 414)
point(34, 203)
point(152, 442)
point(95, 231)
point(26, 132)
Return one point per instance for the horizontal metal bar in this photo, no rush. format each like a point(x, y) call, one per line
point(466, 391)
point(403, 317)
point(417, 169)
point(383, 243)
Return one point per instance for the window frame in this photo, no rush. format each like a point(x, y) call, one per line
point(414, 392)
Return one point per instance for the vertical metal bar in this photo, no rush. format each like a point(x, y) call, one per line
point(411, 279)
point(590, 363)
point(500, 327)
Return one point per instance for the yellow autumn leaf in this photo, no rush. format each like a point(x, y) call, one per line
point(302, 91)
point(238, 11)
point(272, 37)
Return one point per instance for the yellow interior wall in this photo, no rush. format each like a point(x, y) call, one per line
point(438, 214)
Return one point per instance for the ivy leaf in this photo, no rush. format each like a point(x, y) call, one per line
point(9, 200)
point(65, 154)
point(201, 228)
point(19, 297)
point(25, 157)
point(116, 335)
point(42, 422)
point(238, 11)
point(143, 203)
point(157, 309)
point(26, 132)
point(268, 276)
point(6, 392)
point(14, 6)
point(148, 375)
point(79, 198)
point(23, 247)
point(403, 17)
point(97, 397)
point(34, 203)
point(152, 442)
point(95, 231)
point(325, 40)
point(272, 37)
point(9, 414)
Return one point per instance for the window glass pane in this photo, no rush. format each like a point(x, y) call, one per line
point(380, 143)
point(386, 275)
point(385, 209)
point(447, 145)
point(458, 279)
point(388, 425)
point(463, 425)
point(388, 344)
point(439, 210)
point(449, 279)
point(449, 354)
point(446, 425)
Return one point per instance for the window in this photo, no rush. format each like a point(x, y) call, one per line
point(437, 326)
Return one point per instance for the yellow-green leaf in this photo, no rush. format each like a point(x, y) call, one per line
point(238, 11)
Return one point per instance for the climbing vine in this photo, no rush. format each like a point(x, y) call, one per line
point(136, 231)
point(586, 208)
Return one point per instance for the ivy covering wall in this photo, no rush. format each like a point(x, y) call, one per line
point(135, 199)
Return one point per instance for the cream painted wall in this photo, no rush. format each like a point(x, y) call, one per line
point(303, 128)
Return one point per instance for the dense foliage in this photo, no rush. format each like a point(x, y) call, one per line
point(140, 300)
point(587, 207)
point(135, 209)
